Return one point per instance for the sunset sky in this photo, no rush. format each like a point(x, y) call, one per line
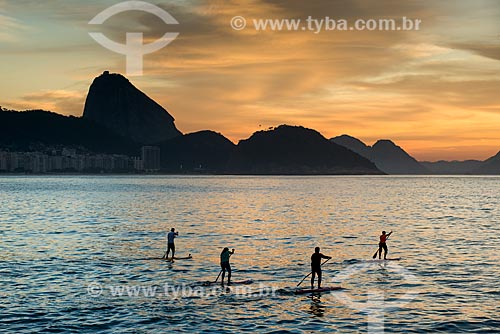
point(435, 92)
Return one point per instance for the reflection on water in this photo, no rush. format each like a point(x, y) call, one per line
point(317, 309)
point(61, 234)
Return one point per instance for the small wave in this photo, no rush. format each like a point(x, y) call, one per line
point(462, 326)
point(351, 261)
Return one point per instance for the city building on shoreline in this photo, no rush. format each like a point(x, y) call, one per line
point(150, 158)
point(68, 160)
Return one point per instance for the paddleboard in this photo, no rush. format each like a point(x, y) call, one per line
point(245, 282)
point(324, 289)
point(179, 258)
point(382, 260)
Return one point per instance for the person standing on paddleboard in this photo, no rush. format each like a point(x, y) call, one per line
point(224, 264)
point(382, 244)
point(316, 266)
point(170, 242)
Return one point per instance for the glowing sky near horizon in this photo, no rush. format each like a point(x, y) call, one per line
point(435, 91)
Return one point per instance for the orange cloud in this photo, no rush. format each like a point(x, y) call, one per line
point(62, 101)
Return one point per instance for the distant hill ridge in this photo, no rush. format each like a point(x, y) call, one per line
point(295, 150)
point(283, 150)
point(199, 151)
point(386, 155)
point(36, 129)
point(452, 167)
point(490, 166)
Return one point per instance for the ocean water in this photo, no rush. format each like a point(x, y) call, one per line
point(77, 254)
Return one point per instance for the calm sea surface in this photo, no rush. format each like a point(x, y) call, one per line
point(77, 254)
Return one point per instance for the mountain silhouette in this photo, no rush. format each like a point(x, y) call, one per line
point(490, 166)
point(386, 155)
point(203, 151)
point(119, 118)
point(295, 150)
point(115, 103)
point(452, 167)
point(354, 144)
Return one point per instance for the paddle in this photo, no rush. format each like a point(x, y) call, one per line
point(218, 276)
point(311, 272)
point(375, 255)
